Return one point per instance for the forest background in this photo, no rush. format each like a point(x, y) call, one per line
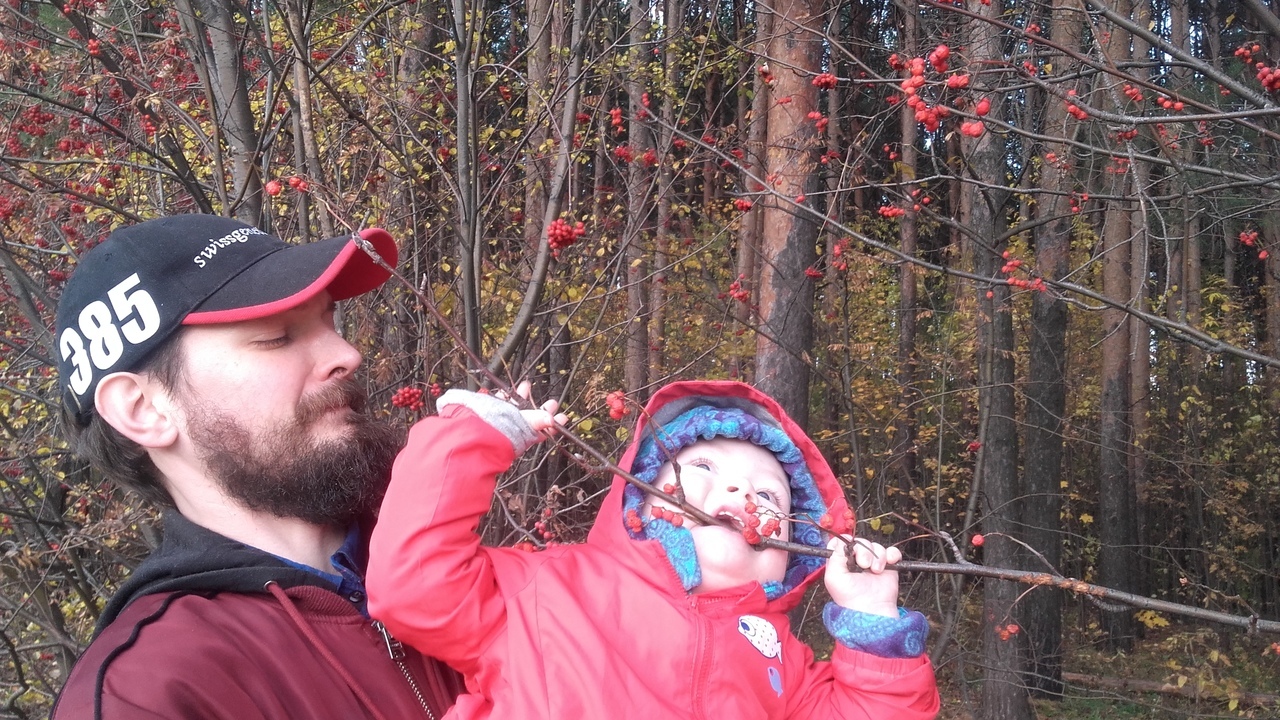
point(1012, 263)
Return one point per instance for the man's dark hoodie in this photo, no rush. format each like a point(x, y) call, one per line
point(211, 628)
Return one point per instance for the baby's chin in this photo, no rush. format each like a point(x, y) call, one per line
point(724, 552)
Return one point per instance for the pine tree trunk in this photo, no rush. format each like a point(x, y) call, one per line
point(788, 239)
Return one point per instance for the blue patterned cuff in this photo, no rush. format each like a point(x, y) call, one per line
point(900, 637)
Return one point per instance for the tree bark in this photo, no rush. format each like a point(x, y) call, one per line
point(905, 461)
point(1046, 390)
point(1004, 696)
point(218, 45)
point(639, 207)
point(788, 238)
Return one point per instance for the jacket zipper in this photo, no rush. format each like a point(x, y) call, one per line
point(396, 650)
point(702, 659)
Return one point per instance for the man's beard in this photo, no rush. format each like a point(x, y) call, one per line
point(286, 473)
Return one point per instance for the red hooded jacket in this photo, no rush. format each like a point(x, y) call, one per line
point(604, 628)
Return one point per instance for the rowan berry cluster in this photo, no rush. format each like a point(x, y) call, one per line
point(742, 204)
point(824, 81)
point(1171, 104)
point(1245, 52)
point(543, 527)
point(765, 73)
point(615, 119)
point(972, 129)
point(1011, 266)
point(561, 235)
point(938, 58)
point(1269, 77)
point(1007, 631)
point(819, 121)
point(891, 211)
point(1133, 93)
point(298, 184)
point(1205, 138)
point(624, 153)
point(1249, 238)
point(409, 398)
point(661, 513)
point(617, 402)
point(737, 292)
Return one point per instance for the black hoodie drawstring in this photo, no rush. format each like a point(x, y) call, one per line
point(305, 628)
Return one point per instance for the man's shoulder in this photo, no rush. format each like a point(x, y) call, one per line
point(171, 648)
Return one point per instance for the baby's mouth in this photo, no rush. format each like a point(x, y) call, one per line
point(733, 518)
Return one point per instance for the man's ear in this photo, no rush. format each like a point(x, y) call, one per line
point(138, 408)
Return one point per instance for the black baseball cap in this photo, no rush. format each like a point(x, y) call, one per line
point(131, 292)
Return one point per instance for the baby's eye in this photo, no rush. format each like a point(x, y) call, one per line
point(701, 465)
point(767, 495)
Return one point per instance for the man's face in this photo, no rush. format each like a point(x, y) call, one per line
point(719, 477)
point(274, 415)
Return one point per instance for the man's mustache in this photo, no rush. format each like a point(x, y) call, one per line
point(345, 393)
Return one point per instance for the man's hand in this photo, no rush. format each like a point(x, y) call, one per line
point(873, 591)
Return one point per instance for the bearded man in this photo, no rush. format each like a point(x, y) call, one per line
point(200, 369)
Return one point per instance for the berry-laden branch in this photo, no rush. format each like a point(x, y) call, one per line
point(1252, 624)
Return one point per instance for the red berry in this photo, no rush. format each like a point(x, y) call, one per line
point(273, 187)
point(977, 540)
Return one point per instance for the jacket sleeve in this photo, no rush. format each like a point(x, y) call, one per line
point(856, 685)
point(429, 580)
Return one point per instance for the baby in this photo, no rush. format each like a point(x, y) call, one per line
point(656, 614)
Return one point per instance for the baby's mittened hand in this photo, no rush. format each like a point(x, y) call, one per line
point(864, 614)
point(544, 420)
point(875, 589)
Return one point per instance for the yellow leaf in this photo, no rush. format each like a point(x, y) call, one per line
point(1182, 680)
point(886, 528)
point(1048, 67)
point(1230, 19)
point(1086, 518)
point(586, 425)
point(874, 523)
point(1151, 619)
point(1234, 702)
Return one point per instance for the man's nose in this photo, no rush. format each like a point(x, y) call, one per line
point(339, 357)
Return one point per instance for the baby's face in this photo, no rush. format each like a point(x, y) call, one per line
point(720, 477)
